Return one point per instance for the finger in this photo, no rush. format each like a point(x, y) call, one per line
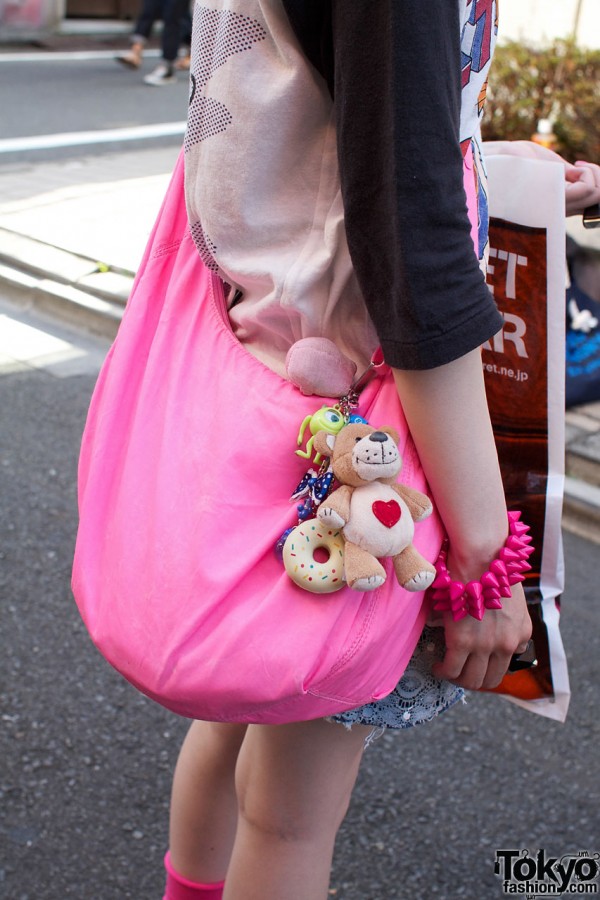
point(474, 672)
point(578, 192)
point(574, 175)
point(579, 196)
point(584, 164)
point(497, 668)
point(590, 170)
point(478, 670)
point(452, 665)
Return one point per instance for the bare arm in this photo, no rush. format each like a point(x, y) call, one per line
point(446, 410)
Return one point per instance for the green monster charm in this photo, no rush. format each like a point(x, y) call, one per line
point(329, 419)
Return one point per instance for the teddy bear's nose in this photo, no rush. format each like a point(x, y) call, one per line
point(378, 436)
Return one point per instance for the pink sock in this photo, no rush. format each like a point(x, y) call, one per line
point(180, 888)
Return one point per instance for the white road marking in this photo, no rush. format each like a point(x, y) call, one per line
point(70, 56)
point(104, 136)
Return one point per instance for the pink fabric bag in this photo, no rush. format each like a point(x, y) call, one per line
point(186, 470)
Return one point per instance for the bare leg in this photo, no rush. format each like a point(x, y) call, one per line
point(294, 784)
point(203, 801)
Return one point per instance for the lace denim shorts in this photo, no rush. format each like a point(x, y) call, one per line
point(417, 698)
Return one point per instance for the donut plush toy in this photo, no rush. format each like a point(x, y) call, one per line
point(375, 514)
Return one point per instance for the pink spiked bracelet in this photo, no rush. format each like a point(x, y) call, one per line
point(475, 597)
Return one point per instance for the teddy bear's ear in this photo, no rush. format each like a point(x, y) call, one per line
point(392, 433)
point(324, 443)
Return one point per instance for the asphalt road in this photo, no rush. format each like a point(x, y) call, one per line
point(85, 762)
point(45, 93)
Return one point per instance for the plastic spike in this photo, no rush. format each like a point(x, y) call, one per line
point(494, 586)
point(524, 550)
point(505, 587)
point(457, 604)
point(442, 580)
point(516, 578)
point(456, 590)
point(520, 528)
point(524, 558)
point(494, 603)
point(488, 579)
point(441, 606)
point(474, 589)
point(474, 597)
point(498, 568)
point(508, 555)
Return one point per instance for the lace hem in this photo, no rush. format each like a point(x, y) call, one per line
point(417, 698)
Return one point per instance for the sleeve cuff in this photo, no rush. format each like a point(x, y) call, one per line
point(443, 348)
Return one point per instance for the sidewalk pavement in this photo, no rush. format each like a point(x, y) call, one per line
point(72, 234)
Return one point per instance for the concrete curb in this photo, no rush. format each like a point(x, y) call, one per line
point(581, 509)
point(70, 305)
point(74, 288)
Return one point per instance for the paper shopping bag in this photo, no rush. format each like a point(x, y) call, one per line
point(524, 372)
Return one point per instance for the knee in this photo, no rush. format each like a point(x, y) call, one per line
point(290, 817)
point(271, 824)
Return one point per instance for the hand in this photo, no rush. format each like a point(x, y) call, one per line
point(582, 180)
point(582, 187)
point(478, 653)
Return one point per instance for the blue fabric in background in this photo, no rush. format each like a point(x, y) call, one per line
point(582, 353)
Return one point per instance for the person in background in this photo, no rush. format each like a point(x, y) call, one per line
point(177, 32)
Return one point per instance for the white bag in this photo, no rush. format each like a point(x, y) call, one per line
point(524, 369)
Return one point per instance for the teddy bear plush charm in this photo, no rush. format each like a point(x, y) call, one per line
point(368, 517)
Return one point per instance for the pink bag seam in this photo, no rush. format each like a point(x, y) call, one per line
point(171, 247)
point(167, 249)
point(358, 642)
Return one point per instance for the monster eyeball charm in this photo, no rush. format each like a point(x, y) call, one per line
point(327, 418)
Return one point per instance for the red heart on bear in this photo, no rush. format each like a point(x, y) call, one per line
point(388, 512)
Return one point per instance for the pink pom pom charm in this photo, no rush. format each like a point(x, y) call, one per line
point(494, 585)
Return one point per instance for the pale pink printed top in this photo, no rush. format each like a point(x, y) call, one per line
point(324, 172)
